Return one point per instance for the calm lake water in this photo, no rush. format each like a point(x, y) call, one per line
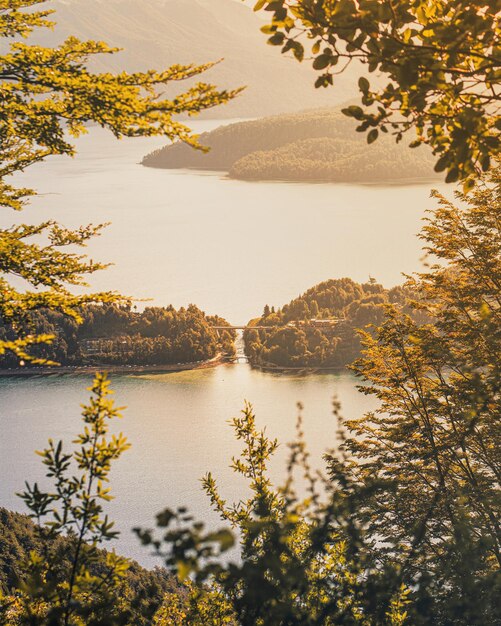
point(178, 425)
point(179, 236)
point(230, 247)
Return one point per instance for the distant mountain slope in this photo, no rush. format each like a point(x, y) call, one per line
point(229, 143)
point(157, 33)
point(308, 146)
point(337, 160)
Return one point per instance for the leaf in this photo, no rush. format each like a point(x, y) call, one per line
point(321, 62)
point(442, 163)
point(277, 39)
point(260, 4)
point(452, 175)
point(363, 84)
point(373, 135)
point(353, 111)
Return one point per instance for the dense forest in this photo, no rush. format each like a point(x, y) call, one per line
point(318, 329)
point(312, 145)
point(118, 335)
point(334, 160)
point(143, 590)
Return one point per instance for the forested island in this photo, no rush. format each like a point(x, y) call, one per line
point(319, 328)
point(112, 335)
point(318, 145)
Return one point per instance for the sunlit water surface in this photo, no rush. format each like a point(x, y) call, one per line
point(178, 425)
point(230, 247)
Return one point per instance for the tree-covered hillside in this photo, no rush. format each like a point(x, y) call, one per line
point(229, 143)
point(318, 329)
point(311, 145)
point(335, 160)
point(117, 335)
point(142, 590)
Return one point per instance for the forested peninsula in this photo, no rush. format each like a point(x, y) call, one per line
point(318, 145)
point(319, 328)
point(316, 330)
point(111, 335)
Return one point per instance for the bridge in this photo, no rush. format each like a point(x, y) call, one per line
point(237, 358)
point(321, 324)
point(244, 327)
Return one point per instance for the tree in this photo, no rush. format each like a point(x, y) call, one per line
point(49, 96)
point(441, 57)
point(435, 437)
point(304, 559)
point(88, 591)
point(407, 528)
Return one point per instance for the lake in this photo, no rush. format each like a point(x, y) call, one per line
point(230, 247)
point(178, 427)
point(180, 237)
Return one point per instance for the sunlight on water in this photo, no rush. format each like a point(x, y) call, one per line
point(230, 247)
point(181, 237)
point(178, 425)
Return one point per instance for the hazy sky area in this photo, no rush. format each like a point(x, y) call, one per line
point(158, 33)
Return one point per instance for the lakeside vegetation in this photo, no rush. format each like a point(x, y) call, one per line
point(318, 145)
point(403, 526)
point(335, 160)
point(110, 334)
point(319, 328)
point(142, 591)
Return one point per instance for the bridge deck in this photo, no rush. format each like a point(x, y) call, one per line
point(243, 327)
point(322, 324)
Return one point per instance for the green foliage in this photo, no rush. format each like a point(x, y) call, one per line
point(142, 592)
point(88, 591)
point(436, 432)
point(304, 559)
point(116, 335)
point(441, 58)
point(406, 528)
point(319, 328)
point(50, 270)
point(49, 96)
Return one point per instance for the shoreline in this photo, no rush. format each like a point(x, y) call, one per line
point(161, 369)
point(279, 369)
point(225, 173)
point(113, 369)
